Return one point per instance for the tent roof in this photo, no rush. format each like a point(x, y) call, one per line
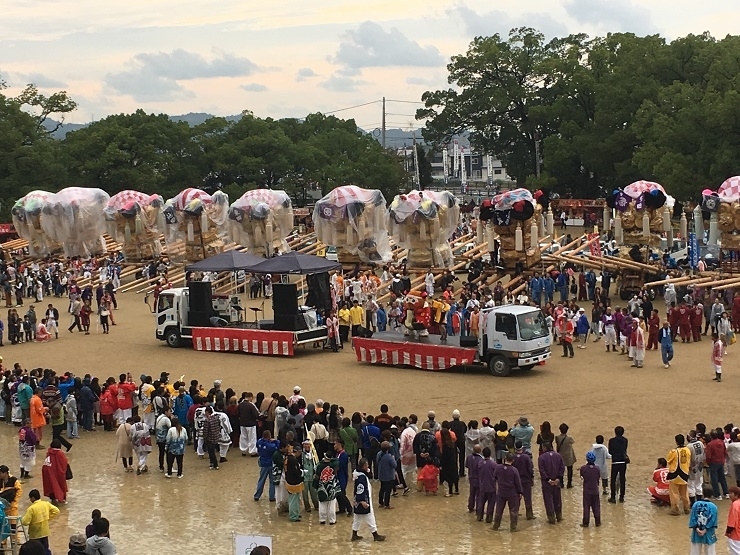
point(229, 261)
point(295, 263)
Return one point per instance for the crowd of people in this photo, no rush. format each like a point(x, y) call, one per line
point(318, 456)
point(33, 281)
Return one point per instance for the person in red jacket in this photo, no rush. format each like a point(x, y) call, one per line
point(684, 322)
point(653, 327)
point(108, 407)
point(125, 402)
point(697, 317)
point(714, 456)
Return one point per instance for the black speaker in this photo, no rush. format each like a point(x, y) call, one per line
point(364, 332)
point(285, 299)
point(200, 318)
point(289, 322)
point(319, 295)
point(468, 341)
point(266, 324)
point(201, 299)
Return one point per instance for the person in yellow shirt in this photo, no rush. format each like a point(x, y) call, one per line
point(10, 490)
point(343, 316)
point(356, 317)
point(37, 518)
point(679, 462)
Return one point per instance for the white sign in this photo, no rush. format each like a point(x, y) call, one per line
point(243, 545)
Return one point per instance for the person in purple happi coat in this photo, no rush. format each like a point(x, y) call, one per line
point(471, 463)
point(487, 486)
point(590, 474)
point(523, 463)
point(551, 468)
point(509, 490)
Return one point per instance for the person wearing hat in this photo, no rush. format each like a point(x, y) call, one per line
point(590, 474)
point(77, 545)
point(10, 490)
point(523, 431)
point(293, 399)
point(697, 317)
point(582, 328)
point(434, 426)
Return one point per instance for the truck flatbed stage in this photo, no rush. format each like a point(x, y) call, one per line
point(426, 353)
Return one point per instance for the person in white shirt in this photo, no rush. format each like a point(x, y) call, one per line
point(429, 283)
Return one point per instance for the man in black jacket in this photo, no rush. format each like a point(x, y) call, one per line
point(248, 416)
point(459, 428)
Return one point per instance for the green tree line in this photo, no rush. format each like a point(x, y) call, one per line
point(582, 115)
point(153, 154)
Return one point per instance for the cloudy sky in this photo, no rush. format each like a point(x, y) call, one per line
point(287, 58)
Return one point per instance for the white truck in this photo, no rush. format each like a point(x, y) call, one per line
point(513, 336)
point(173, 306)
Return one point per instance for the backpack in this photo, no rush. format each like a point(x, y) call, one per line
point(326, 484)
point(56, 411)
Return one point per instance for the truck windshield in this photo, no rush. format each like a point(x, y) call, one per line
point(165, 302)
point(532, 325)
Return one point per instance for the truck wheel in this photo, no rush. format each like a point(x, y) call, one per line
point(499, 366)
point(624, 294)
point(173, 338)
point(526, 367)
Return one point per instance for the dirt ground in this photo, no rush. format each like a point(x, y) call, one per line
point(593, 392)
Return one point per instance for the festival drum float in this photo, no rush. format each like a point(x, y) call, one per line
point(74, 217)
point(26, 213)
point(261, 220)
point(355, 221)
point(513, 209)
point(197, 220)
point(423, 222)
point(728, 211)
point(640, 206)
point(132, 220)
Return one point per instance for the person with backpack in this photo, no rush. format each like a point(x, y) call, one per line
point(371, 444)
point(308, 463)
point(326, 484)
point(162, 425)
point(266, 447)
point(58, 424)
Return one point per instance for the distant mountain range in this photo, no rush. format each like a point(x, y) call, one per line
point(394, 137)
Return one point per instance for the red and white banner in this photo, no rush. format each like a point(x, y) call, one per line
point(418, 355)
point(595, 246)
point(258, 342)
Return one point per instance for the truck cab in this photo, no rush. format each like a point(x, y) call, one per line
point(513, 336)
point(173, 306)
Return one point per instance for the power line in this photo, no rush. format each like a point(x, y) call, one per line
point(406, 101)
point(402, 115)
point(352, 107)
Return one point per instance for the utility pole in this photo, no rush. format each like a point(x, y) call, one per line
point(382, 129)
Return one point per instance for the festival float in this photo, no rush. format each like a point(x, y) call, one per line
point(423, 222)
point(132, 220)
point(26, 214)
point(194, 224)
point(643, 215)
point(515, 216)
point(261, 220)
point(728, 213)
point(74, 218)
point(355, 221)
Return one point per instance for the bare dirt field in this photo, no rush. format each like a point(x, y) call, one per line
point(593, 392)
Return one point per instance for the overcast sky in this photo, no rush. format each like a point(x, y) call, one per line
point(287, 58)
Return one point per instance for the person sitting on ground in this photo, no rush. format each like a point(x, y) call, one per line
point(659, 492)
